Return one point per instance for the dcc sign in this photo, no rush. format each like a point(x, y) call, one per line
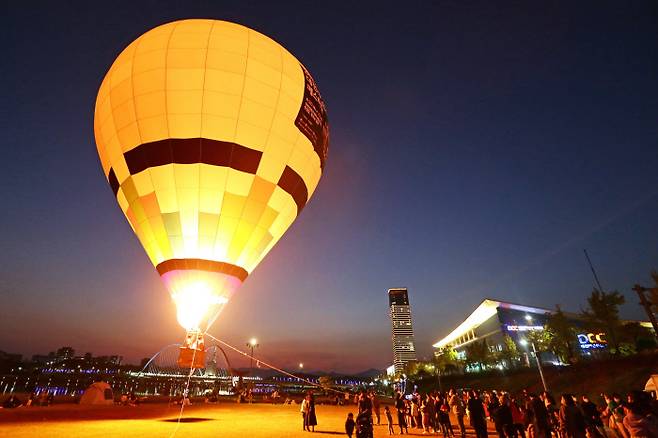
point(592, 340)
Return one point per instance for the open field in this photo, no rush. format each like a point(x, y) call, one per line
point(159, 420)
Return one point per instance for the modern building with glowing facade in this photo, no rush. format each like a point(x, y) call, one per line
point(404, 349)
point(492, 320)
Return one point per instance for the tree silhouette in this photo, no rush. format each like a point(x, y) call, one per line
point(603, 313)
point(510, 352)
point(478, 353)
point(562, 335)
point(446, 360)
point(326, 382)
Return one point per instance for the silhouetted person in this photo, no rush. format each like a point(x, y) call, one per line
point(477, 415)
point(400, 407)
point(457, 406)
point(349, 425)
point(538, 417)
point(572, 422)
point(389, 420)
point(312, 419)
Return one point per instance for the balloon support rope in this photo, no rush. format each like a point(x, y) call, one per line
point(272, 367)
point(185, 395)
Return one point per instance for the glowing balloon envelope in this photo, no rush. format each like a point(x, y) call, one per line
point(213, 138)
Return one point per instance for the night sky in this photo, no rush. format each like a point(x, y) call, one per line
point(476, 149)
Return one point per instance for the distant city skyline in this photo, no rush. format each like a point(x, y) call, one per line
point(475, 150)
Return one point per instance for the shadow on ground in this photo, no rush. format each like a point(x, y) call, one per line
point(187, 420)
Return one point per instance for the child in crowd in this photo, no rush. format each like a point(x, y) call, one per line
point(389, 419)
point(349, 425)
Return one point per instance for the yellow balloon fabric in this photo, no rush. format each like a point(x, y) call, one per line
point(213, 137)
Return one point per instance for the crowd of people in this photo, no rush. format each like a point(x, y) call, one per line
point(428, 412)
point(367, 404)
point(526, 414)
point(522, 415)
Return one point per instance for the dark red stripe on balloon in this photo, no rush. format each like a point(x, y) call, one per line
point(114, 182)
point(294, 184)
point(192, 151)
point(202, 265)
point(211, 152)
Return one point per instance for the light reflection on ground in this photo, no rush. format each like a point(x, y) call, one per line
point(225, 420)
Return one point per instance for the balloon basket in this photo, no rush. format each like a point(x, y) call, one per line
point(192, 353)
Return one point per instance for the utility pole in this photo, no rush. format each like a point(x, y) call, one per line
point(644, 302)
point(541, 371)
point(534, 350)
point(591, 266)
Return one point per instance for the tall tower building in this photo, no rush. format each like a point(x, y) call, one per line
point(404, 349)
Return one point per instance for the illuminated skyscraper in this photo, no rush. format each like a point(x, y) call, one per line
point(404, 349)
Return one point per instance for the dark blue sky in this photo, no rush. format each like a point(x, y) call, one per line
point(476, 149)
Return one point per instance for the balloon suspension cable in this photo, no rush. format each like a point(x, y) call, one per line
point(212, 320)
point(259, 361)
point(185, 395)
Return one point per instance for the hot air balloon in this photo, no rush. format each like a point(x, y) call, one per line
point(213, 137)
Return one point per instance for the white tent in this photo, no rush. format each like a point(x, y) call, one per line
point(99, 393)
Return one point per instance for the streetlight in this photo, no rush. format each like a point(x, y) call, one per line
point(301, 366)
point(253, 343)
point(524, 342)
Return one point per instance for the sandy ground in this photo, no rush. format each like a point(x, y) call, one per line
point(160, 420)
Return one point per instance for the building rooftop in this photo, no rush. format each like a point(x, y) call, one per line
point(482, 313)
point(487, 309)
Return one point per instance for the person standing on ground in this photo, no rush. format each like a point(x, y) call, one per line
point(592, 416)
point(375, 405)
point(304, 409)
point(409, 418)
point(553, 411)
point(436, 399)
point(444, 418)
point(491, 404)
point(349, 425)
point(312, 419)
point(415, 413)
point(502, 416)
point(477, 415)
point(365, 413)
point(538, 418)
point(389, 420)
point(518, 418)
point(572, 422)
point(400, 408)
point(365, 404)
point(425, 414)
point(457, 406)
